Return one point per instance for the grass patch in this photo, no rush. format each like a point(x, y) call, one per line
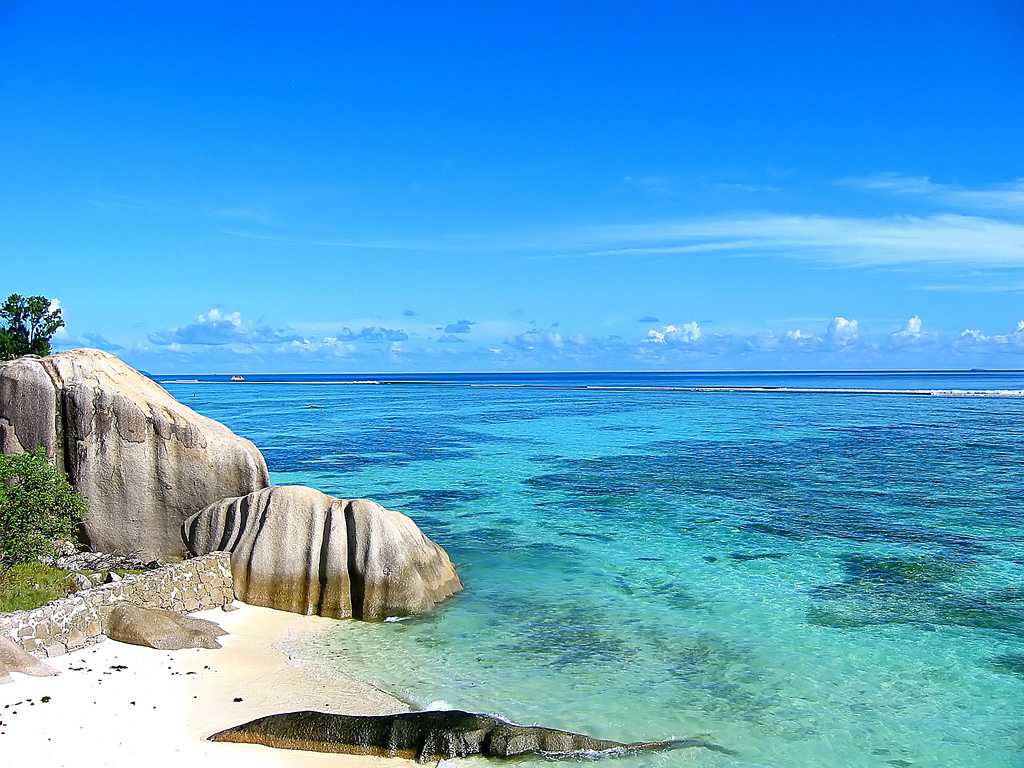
point(29, 585)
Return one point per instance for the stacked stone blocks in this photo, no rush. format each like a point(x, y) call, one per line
point(197, 584)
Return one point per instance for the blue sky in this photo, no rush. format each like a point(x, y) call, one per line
point(375, 187)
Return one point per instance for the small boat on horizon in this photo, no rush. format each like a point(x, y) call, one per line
point(238, 378)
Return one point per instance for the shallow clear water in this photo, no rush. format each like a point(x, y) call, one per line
point(809, 579)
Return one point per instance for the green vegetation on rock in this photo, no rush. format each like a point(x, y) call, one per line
point(37, 507)
point(30, 323)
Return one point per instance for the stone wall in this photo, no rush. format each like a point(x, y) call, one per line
point(74, 621)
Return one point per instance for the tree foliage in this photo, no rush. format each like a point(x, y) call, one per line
point(7, 346)
point(30, 323)
point(37, 506)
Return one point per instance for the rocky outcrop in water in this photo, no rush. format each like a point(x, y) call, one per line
point(157, 628)
point(429, 737)
point(143, 460)
point(13, 658)
point(296, 549)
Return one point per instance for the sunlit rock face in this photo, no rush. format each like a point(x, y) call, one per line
point(157, 628)
point(14, 658)
point(296, 549)
point(144, 461)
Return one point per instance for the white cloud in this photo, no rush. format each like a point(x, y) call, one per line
point(536, 347)
point(798, 336)
point(946, 238)
point(763, 341)
point(685, 334)
point(973, 338)
point(912, 334)
point(215, 316)
point(62, 332)
point(327, 345)
point(999, 287)
point(550, 339)
point(845, 343)
point(374, 334)
point(219, 338)
point(843, 332)
point(801, 340)
point(912, 330)
point(216, 327)
point(1006, 196)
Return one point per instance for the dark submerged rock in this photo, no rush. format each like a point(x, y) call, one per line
point(431, 736)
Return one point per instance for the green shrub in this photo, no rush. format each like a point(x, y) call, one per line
point(37, 505)
point(32, 322)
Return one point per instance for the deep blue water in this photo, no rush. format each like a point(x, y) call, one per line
point(893, 380)
point(810, 580)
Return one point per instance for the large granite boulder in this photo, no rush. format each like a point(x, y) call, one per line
point(432, 737)
point(143, 460)
point(13, 658)
point(296, 549)
point(157, 628)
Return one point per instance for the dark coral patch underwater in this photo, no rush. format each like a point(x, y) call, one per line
point(925, 592)
point(1009, 664)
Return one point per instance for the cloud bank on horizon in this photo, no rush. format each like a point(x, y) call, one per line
point(681, 187)
point(218, 341)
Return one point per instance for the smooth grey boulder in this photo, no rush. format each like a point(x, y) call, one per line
point(13, 658)
point(430, 737)
point(143, 460)
point(157, 628)
point(296, 549)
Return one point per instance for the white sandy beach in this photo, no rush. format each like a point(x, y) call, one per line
point(160, 708)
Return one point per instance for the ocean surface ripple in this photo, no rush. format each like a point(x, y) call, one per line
point(827, 579)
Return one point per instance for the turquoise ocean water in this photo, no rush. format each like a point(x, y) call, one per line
point(809, 579)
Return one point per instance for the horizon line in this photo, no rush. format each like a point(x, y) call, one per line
point(775, 371)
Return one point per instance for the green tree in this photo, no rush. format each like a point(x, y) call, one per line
point(37, 506)
point(31, 322)
point(7, 346)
